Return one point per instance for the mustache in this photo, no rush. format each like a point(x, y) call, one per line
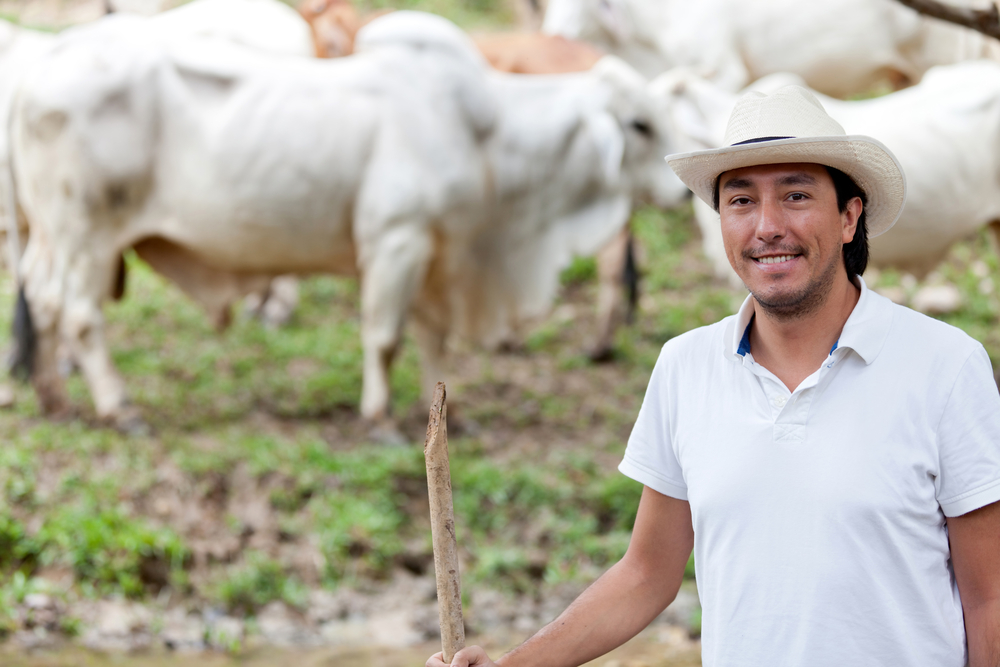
point(775, 249)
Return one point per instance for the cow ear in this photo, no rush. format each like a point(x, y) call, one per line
point(609, 140)
point(614, 17)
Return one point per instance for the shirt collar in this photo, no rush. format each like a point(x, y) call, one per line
point(864, 332)
point(868, 326)
point(740, 329)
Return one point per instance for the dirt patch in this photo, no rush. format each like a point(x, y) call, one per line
point(399, 616)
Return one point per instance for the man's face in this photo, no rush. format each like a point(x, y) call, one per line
point(784, 235)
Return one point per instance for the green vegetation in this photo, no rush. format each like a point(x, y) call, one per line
point(581, 271)
point(272, 416)
point(256, 415)
point(469, 14)
point(109, 551)
point(974, 268)
point(257, 581)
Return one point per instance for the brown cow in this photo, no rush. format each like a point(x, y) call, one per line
point(334, 24)
point(536, 53)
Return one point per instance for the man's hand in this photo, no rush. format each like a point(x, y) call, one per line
point(472, 656)
point(616, 606)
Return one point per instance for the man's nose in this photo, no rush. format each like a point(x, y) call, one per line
point(770, 221)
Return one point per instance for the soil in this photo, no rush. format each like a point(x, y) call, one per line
point(655, 647)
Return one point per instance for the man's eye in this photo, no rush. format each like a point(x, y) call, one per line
point(797, 196)
point(741, 201)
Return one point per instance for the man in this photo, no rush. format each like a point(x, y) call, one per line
point(832, 458)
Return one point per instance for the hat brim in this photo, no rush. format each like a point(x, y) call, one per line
point(866, 160)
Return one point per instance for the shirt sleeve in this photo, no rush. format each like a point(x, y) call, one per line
point(969, 440)
point(650, 458)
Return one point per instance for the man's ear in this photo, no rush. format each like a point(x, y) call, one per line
point(850, 217)
point(609, 140)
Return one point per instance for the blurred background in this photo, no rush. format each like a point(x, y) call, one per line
point(257, 517)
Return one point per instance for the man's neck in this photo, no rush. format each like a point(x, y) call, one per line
point(793, 349)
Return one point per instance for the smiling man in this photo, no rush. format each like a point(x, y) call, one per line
point(832, 458)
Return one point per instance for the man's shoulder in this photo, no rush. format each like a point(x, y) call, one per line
point(923, 334)
point(699, 344)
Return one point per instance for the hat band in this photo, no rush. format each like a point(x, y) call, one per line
point(758, 140)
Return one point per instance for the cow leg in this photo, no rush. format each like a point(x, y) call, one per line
point(47, 380)
point(431, 324)
point(995, 235)
point(430, 330)
point(43, 306)
point(610, 268)
point(277, 305)
point(390, 280)
point(431, 341)
point(82, 327)
point(36, 328)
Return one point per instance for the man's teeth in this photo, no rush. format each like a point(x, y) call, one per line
point(775, 260)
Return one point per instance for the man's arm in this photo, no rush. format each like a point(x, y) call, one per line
point(975, 556)
point(618, 605)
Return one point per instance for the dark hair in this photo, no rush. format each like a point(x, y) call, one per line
point(856, 251)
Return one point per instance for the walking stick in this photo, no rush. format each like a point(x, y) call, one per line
point(449, 581)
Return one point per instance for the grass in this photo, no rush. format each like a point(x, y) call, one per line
point(89, 492)
point(109, 551)
point(272, 416)
point(257, 581)
point(469, 14)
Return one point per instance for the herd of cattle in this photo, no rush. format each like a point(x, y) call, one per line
point(456, 177)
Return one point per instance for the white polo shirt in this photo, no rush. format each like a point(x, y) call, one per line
point(819, 514)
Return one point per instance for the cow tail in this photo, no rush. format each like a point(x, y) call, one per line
point(630, 279)
point(22, 357)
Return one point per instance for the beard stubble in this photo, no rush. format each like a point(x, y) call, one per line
point(798, 304)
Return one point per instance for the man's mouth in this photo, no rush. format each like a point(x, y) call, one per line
point(774, 259)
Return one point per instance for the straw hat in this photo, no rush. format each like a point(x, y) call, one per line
point(790, 125)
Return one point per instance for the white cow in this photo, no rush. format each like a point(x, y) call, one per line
point(224, 168)
point(944, 131)
point(270, 26)
point(839, 47)
point(19, 48)
point(396, 164)
point(569, 156)
point(267, 25)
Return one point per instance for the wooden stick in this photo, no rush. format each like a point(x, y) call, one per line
point(985, 20)
point(449, 581)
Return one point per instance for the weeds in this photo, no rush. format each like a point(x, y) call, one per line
point(537, 498)
point(257, 581)
point(109, 551)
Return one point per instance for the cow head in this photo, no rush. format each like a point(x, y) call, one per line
point(645, 137)
point(698, 109)
point(333, 23)
point(693, 107)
